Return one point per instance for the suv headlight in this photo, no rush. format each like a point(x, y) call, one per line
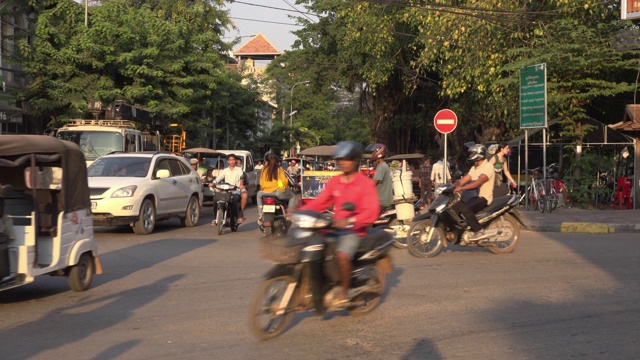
point(126, 191)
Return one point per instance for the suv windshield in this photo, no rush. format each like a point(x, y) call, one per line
point(116, 166)
point(93, 143)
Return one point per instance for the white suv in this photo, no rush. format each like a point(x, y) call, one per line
point(138, 189)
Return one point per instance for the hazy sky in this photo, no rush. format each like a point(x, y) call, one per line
point(269, 17)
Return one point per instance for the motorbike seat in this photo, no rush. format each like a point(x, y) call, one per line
point(497, 203)
point(374, 238)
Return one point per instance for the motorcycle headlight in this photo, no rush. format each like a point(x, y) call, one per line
point(309, 222)
point(441, 208)
point(126, 191)
point(439, 190)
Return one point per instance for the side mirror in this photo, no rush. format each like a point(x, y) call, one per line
point(349, 206)
point(162, 174)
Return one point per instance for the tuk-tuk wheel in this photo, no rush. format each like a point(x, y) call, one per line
point(81, 274)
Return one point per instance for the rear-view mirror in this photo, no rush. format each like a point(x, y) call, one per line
point(162, 174)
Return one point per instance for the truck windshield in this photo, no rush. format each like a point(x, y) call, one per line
point(94, 143)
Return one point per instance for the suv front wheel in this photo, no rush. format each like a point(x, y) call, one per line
point(192, 214)
point(147, 218)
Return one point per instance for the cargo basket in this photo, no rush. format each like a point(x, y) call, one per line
point(281, 250)
point(222, 196)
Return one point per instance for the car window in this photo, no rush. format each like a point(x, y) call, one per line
point(249, 166)
point(186, 169)
point(116, 166)
point(176, 170)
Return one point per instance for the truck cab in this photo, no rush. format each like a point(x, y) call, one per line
point(100, 137)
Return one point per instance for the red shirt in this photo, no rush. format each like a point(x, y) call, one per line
point(361, 191)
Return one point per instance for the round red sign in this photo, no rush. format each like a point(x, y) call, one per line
point(445, 121)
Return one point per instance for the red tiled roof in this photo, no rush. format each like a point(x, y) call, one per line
point(259, 45)
point(631, 121)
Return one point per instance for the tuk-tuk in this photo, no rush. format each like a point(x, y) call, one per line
point(47, 227)
point(210, 162)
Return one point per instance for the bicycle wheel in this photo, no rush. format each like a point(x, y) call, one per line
point(533, 200)
point(553, 199)
point(542, 199)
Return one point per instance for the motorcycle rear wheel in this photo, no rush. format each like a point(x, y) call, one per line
point(366, 302)
point(417, 239)
point(400, 233)
point(265, 304)
point(509, 224)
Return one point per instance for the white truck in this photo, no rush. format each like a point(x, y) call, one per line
point(118, 133)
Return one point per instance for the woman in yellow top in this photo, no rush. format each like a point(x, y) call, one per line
point(273, 181)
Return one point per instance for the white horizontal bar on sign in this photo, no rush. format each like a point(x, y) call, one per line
point(446, 121)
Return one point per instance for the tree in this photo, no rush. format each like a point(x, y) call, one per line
point(165, 56)
point(408, 60)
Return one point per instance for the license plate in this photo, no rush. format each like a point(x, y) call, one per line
point(93, 205)
point(269, 208)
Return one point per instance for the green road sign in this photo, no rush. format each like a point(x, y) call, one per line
point(533, 96)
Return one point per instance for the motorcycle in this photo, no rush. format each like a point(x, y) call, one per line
point(430, 232)
point(400, 227)
point(224, 206)
point(306, 275)
point(274, 216)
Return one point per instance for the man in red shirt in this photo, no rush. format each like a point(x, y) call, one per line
point(354, 187)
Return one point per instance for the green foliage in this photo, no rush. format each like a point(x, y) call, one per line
point(165, 56)
point(407, 60)
point(587, 181)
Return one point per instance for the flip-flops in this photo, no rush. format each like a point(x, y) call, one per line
point(241, 220)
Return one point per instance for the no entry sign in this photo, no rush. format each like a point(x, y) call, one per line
point(445, 121)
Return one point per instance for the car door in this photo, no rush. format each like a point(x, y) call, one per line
point(186, 182)
point(167, 192)
point(251, 175)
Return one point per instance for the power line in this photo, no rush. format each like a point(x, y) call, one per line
point(275, 8)
point(293, 7)
point(265, 21)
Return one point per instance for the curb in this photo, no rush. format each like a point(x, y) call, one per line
point(584, 227)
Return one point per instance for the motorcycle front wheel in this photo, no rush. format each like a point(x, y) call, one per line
point(220, 220)
point(264, 321)
point(400, 230)
point(418, 239)
point(509, 237)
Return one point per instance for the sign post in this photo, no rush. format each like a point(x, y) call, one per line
point(533, 111)
point(445, 122)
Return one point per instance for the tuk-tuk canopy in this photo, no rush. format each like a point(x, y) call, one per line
point(17, 151)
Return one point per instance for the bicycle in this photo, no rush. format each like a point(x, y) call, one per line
point(535, 193)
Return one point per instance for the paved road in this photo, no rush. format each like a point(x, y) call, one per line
point(184, 293)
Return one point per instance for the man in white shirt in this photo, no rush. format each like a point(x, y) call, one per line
point(438, 172)
point(481, 177)
point(234, 176)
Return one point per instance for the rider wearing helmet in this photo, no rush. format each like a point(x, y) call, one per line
point(354, 187)
point(480, 178)
point(382, 178)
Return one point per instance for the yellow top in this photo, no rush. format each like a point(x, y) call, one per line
point(275, 184)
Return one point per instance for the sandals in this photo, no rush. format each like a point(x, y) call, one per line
point(241, 219)
point(341, 304)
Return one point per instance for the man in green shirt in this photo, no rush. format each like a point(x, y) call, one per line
point(382, 179)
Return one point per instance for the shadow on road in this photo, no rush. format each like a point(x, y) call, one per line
point(116, 265)
point(75, 322)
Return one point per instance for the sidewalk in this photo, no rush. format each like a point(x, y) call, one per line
point(578, 220)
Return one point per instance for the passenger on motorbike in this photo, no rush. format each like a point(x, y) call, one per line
point(354, 187)
point(480, 177)
point(382, 178)
point(234, 176)
point(273, 181)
